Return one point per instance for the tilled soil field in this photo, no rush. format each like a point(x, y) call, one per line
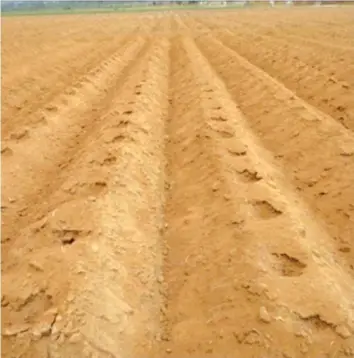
point(178, 185)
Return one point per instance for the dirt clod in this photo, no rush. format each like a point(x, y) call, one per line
point(15, 330)
point(343, 331)
point(264, 315)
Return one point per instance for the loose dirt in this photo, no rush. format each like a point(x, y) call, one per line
point(178, 185)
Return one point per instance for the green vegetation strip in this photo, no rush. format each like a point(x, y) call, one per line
point(106, 10)
point(114, 10)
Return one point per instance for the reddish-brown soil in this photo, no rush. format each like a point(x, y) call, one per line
point(178, 185)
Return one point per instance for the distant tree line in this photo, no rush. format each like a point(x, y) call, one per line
point(56, 4)
point(71, 4)
point(7, 5)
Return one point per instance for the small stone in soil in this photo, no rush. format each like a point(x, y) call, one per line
point(36, 265)
point(75, 338)
point(264, 315)
point(343, 331)
point(41, 329)
point(14, 330)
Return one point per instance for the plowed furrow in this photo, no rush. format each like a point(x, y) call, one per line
point(304, 35)
point(104, 222)
point(24, 104)
point(237, 237)
point(314, 74)
point(319, 24)
point(63, 134)
point(27, 35)
point(329, 33)
point(31, 103)
point(23, 83)
point(318, 153)
point(335, 60)
point(70, 38)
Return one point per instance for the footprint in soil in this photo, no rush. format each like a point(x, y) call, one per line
point(51, 108)
point(122, 124)
point(111, 159)
point(224, 131)
point(237, 149)
point(345, 249)
point(288, 265)
point(69, 236)
point(98, 186)
point(137, 90)
point(117, 138)
point(23, 134)
point(88, 189)
point(266, 210)
point(218, 119)
point(249, 176)
point(6, 152)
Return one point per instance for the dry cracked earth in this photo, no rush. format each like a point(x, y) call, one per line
point(178, 184)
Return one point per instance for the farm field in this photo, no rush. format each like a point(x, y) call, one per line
point(178, 184)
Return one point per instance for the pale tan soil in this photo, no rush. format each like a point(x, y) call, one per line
point(178, 185)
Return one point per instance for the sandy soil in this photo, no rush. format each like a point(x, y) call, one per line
point(178, 185)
